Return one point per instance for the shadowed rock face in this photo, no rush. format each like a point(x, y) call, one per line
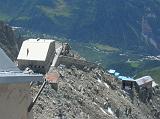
point(8, 41)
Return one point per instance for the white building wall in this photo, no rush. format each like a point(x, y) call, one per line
point(38, 55)
point(14, 101)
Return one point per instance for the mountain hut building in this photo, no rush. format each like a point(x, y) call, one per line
point(37, 54)
point(144, 88)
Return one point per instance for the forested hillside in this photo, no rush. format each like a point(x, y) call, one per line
point(126, 24)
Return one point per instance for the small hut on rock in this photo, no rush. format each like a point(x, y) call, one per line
point(144, 88)
point(37, 54)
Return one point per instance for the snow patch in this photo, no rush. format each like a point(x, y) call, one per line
point(103, 110)
point(99, 80)
point(110, 111)
point(106, 85)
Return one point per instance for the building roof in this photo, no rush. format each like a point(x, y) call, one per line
point(19, 77)
point(123, 78)
point(5, 63)
point(116, 74)
point(144, 80)
point(34, 49)
point(111, 71)
point(9, 73)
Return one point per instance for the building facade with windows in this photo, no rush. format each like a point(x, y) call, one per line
point(37, 54)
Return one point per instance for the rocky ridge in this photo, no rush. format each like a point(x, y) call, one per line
point(91, 94)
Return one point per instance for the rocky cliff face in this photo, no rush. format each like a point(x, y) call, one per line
point(8, 41)
point(92, 94)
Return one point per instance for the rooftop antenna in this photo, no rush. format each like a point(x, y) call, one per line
point(38, 39)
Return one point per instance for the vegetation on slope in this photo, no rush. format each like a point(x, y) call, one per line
point(115, 23)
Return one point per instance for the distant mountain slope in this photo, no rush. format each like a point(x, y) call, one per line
point(126, 24)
